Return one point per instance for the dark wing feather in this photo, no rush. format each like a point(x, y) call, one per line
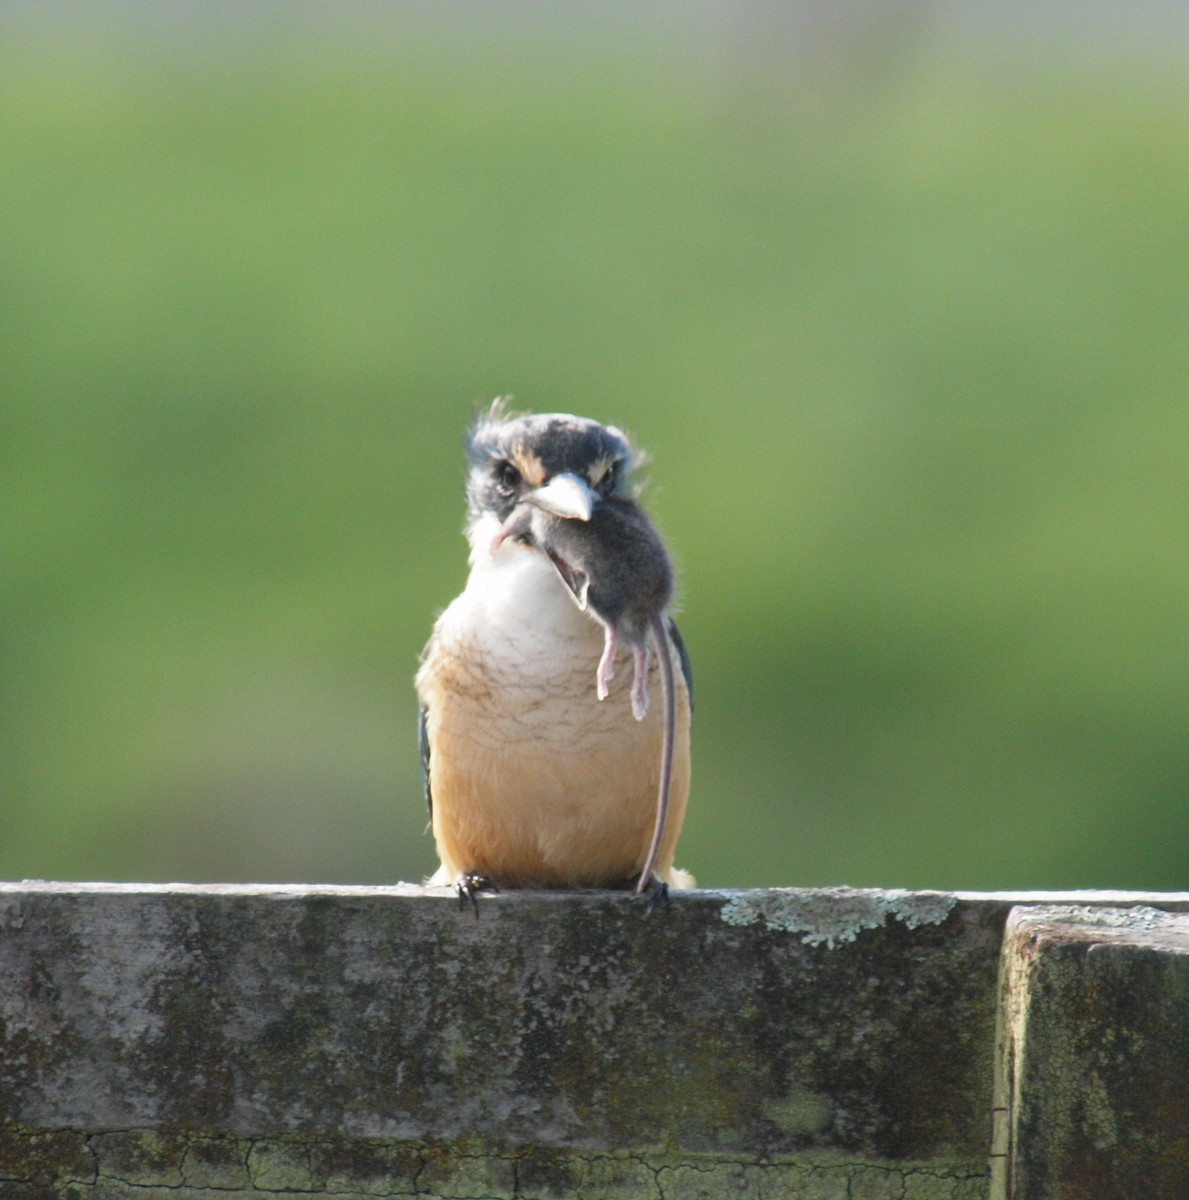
point(423, 743)
point(687, 670)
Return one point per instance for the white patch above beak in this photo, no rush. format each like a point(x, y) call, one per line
point(566, 495)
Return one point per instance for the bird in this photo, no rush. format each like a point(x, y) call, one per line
point(544, 765)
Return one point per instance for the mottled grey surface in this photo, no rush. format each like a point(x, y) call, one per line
point(380, 1041)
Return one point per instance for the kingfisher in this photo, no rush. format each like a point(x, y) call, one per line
point(545, 765)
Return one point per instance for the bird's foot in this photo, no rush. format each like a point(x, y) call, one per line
point(469, 884)
point(655, 891)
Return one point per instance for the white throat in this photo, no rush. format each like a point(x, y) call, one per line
point(517, 599)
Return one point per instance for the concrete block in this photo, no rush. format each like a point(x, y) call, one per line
point(1093, 1065)
point(233, 1041)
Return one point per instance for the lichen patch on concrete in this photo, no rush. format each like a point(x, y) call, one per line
point(1142, 924)
point(832, 916)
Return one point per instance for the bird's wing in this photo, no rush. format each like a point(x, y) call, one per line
point(423, 743)
point(687, 669)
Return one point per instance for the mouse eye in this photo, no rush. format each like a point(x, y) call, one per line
point(507, 476)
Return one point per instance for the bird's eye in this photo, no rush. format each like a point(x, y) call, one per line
point(610, 478)
point(507, 475)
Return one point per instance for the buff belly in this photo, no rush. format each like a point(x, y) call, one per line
point(535, 781)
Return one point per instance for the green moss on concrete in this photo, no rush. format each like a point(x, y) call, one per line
point(39, 1157)
point(149, 1165)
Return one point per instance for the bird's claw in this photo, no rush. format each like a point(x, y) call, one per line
point(469, 884)
point(656, 892)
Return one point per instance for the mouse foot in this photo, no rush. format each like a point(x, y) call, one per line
point(606, 670)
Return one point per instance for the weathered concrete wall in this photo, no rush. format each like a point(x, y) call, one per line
point(228, 1042)
point(1094, 1065)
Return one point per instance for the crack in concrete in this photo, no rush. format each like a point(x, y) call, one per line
point(668, 1175)
point(146, 1161)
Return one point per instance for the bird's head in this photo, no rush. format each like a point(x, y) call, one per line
point(556, 463)
point(561, 485)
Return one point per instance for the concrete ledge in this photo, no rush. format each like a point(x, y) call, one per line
point(1094, 1064)
point(238, 1041)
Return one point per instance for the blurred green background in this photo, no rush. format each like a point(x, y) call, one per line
point(896, 297)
